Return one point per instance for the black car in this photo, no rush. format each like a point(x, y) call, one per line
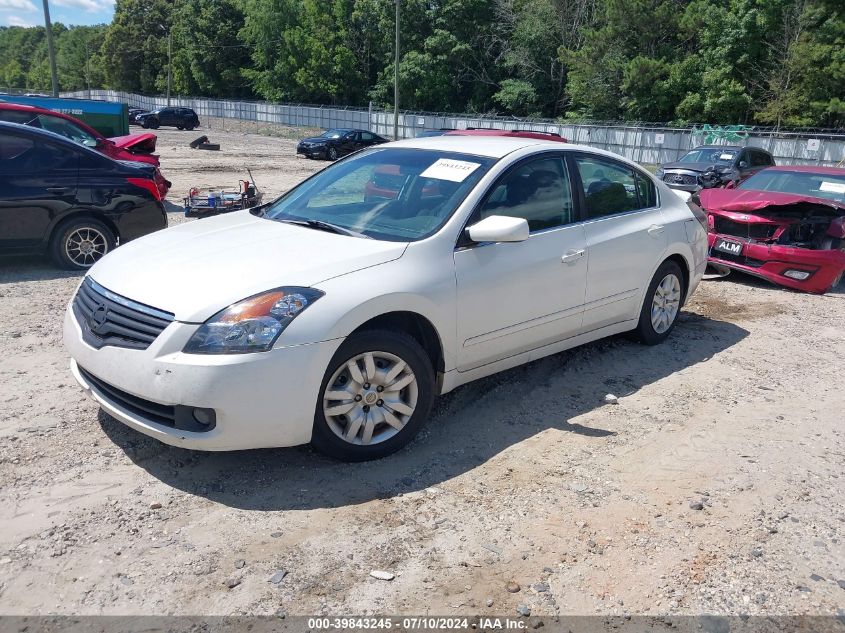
point(180, 118)
point(133, 115)
point(71, 202)
point(714, 165)
point(332, 144)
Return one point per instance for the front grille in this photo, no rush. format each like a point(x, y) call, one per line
point(177, 417)
point(107, 319)
point(756, 231)
point(153, 411)
point(680, 179)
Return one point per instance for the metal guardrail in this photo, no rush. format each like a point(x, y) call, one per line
point(641, 142)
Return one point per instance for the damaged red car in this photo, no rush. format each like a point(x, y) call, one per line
point(133, 147)
point(784, 224)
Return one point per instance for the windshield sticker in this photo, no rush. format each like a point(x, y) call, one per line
point(726, 157)
point(448, 169)
point(832, 187)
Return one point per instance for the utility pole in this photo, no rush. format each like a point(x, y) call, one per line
point(87, 68)
point(51, 51)
point(169, 62)
point(395, 77)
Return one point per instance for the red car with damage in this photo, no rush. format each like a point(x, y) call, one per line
point(133, 147)
point(784, 224)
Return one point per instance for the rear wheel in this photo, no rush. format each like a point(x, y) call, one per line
point(79, 244)
point(189, 127)
point(180, 127)
point(662, 303)
point(376, 394)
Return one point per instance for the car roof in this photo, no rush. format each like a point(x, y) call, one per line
point(810, 169)
point(490, 146)
point(717, 147)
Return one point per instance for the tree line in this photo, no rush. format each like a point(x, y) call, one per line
point(767, 62)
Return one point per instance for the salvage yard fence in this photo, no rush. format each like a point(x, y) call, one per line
point(643, 143)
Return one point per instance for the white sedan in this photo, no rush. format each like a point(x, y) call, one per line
point(336, 313)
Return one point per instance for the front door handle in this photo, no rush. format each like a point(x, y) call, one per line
point(656, 229)
point(58, 189)
point(572, 256)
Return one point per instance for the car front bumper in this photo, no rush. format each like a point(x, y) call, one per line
point(771, 261)
point(312, 152)
point(260, 400)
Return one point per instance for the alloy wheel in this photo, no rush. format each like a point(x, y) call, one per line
point(85, 246)
point(665, 303)
point(370, 398)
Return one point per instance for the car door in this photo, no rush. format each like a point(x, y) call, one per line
point(625, 237)
point(166, 117)
point(38, 182)
point(367, 139)
point(515, 297)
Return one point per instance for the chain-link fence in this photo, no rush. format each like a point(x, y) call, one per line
point(644, 143)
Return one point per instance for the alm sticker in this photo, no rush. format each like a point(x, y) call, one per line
point(448, 169)
point(832, 187)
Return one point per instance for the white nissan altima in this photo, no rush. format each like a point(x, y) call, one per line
point(336, 313)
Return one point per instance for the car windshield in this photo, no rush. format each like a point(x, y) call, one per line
point(710, 155)
point(395, 194)
point(333, 133)
point(67, 129)
point(798, 182)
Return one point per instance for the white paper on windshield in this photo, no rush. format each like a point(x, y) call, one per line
point(726, 157)
point(449, 169)
point(832, 187)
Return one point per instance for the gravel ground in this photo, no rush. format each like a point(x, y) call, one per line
point(714, 486)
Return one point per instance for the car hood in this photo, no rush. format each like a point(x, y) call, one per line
point(136, 142)
point(317, 139)
point(749, 200)
point(196, 269)
point(694, 166)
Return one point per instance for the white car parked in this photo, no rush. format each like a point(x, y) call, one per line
point(335, 314)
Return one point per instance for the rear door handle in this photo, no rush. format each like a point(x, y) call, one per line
point(572, 256)
point(58, 189)
point(656, 229)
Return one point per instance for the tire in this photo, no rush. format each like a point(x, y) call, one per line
point(71, 241)
point(331, 153)
point(145, 124)
point(180, 127)
point(190, 128)
point(653, 327)
point(388, 351)
point(153, 124)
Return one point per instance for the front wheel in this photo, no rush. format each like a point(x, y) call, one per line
point(153, 124)
point(663, 301)
point(332, 153)
point(375, 395)
point(79, 244)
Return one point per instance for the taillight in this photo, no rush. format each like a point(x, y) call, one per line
point(149, 185)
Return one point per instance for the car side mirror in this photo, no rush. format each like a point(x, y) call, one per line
point(743, 164)
point(499, 228)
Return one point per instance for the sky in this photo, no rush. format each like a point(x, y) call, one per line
point(31, 12)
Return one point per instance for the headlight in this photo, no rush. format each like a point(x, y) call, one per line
point(251, 325)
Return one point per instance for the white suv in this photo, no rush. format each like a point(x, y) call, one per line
point(335, 314)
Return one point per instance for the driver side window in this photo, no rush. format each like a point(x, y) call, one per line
point(537, 191)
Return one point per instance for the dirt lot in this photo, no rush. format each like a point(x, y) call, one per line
point(714, 486)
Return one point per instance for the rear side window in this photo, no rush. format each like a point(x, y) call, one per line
point(760, 159)
point(65, 128)
point(16, 116)
point(611, 187)
point(538, 191)
point(20, 155)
